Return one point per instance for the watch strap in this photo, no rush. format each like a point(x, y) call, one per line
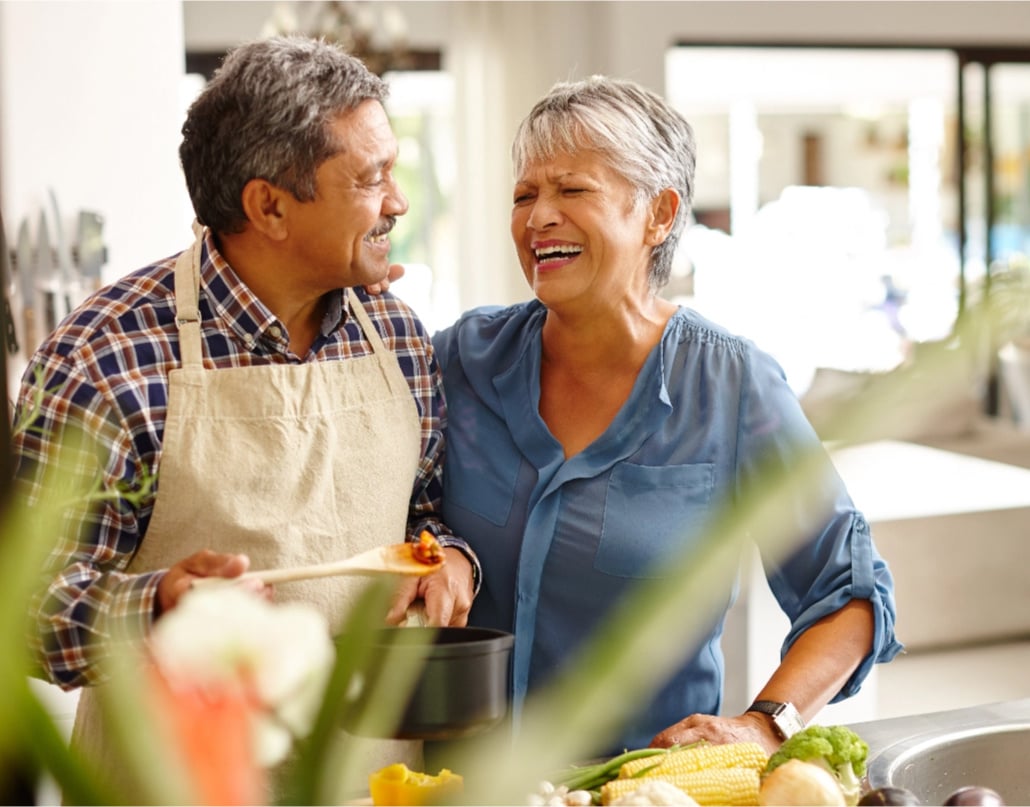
point(785, 717)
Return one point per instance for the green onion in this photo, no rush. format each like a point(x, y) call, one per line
point(591, 777)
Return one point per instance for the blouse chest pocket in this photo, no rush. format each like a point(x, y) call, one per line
point(480, 475)
point(652, 513)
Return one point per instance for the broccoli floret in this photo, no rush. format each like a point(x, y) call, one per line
point(837, 748)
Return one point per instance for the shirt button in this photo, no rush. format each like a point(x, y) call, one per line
point(275, 331)
point(249, 339)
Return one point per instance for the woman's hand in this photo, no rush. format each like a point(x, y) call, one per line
point(447, 593)
point(748, 727)
point(395, 272)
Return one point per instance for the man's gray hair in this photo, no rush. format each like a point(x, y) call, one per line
point(267, 113)
point(641, 137)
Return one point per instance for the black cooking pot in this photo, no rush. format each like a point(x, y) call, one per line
point(460, 681)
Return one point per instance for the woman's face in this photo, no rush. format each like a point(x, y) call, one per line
point(578, 234)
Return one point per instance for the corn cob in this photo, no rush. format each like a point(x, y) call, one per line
point(714, 786)
point(698, 758)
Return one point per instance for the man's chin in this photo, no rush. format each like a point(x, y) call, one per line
point(375, 282)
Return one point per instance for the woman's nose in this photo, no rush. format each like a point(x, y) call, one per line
point(542, 215)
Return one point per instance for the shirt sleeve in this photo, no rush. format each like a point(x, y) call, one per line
point(78, 476)
point(830, 557)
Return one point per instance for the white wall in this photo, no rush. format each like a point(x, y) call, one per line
point(89, 104)
point(89, 98)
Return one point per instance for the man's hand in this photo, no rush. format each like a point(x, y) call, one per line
point(748, 727)
point(395, 272)
point(447, 593)
point(179, 578)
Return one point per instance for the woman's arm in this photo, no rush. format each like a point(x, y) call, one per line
point(812, 672)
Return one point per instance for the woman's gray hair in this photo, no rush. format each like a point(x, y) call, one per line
point(267, 114)
point(641, 137)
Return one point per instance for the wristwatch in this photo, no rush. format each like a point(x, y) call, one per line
point(786, 719)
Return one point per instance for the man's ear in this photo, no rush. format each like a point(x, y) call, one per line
point(663, 209)
point(264, 205)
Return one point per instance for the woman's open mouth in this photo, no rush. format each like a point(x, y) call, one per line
point(551, 256)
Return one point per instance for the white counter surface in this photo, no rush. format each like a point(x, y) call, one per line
point(891, 480)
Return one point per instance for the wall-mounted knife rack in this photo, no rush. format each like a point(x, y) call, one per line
point(83, 257)
point(42, 281)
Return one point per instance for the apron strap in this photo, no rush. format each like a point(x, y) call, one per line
point(187, 310)
point(366, 324)
point(187, 293)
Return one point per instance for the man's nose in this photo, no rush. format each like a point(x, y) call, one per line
point(396, 203)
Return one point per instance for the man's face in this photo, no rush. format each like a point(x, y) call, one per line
point(341, 238)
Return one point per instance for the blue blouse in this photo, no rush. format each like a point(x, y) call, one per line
point(560, 540)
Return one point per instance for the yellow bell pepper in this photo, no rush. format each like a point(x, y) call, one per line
point(397, 785)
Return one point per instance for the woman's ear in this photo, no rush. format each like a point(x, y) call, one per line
point(264, 205)
point(663, 209)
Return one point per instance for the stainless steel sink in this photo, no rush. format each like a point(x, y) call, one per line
point(935, 754)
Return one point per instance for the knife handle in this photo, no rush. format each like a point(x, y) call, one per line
point(29, 316)
point(10, 335)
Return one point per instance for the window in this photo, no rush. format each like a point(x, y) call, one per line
point(826, 199)
point(421, 109)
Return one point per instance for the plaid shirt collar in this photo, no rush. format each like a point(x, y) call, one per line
point(232, 300)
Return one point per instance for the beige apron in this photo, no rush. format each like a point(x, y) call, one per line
point(290, 464)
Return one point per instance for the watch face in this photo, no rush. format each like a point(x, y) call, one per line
point(788, 721)
point(785, 717)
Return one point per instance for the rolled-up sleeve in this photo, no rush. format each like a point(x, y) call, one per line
point(831, 557)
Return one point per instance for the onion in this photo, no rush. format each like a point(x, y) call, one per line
point(802, 784)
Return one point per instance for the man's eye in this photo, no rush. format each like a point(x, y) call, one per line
point(572, 191)
point(523, 197)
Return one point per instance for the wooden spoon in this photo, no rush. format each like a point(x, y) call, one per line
point(389, 559)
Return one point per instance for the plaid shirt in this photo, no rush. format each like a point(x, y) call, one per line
point(97, 389)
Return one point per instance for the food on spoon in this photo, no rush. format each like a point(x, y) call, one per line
point(800, 783)
point(427, 549)
point(837, 748)
point(398, 785)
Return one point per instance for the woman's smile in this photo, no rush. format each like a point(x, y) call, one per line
point(554, 254)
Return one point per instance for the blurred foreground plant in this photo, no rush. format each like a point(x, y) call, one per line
point(621, 664)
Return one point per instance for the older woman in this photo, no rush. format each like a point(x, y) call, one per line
point(597, 428)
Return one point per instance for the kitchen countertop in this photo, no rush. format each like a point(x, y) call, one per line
point(890, 480)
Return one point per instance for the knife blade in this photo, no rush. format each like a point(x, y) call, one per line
point(67, 284)
point(92, 254)
point(7, 280)
point(27, 287)
point(45, 274)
